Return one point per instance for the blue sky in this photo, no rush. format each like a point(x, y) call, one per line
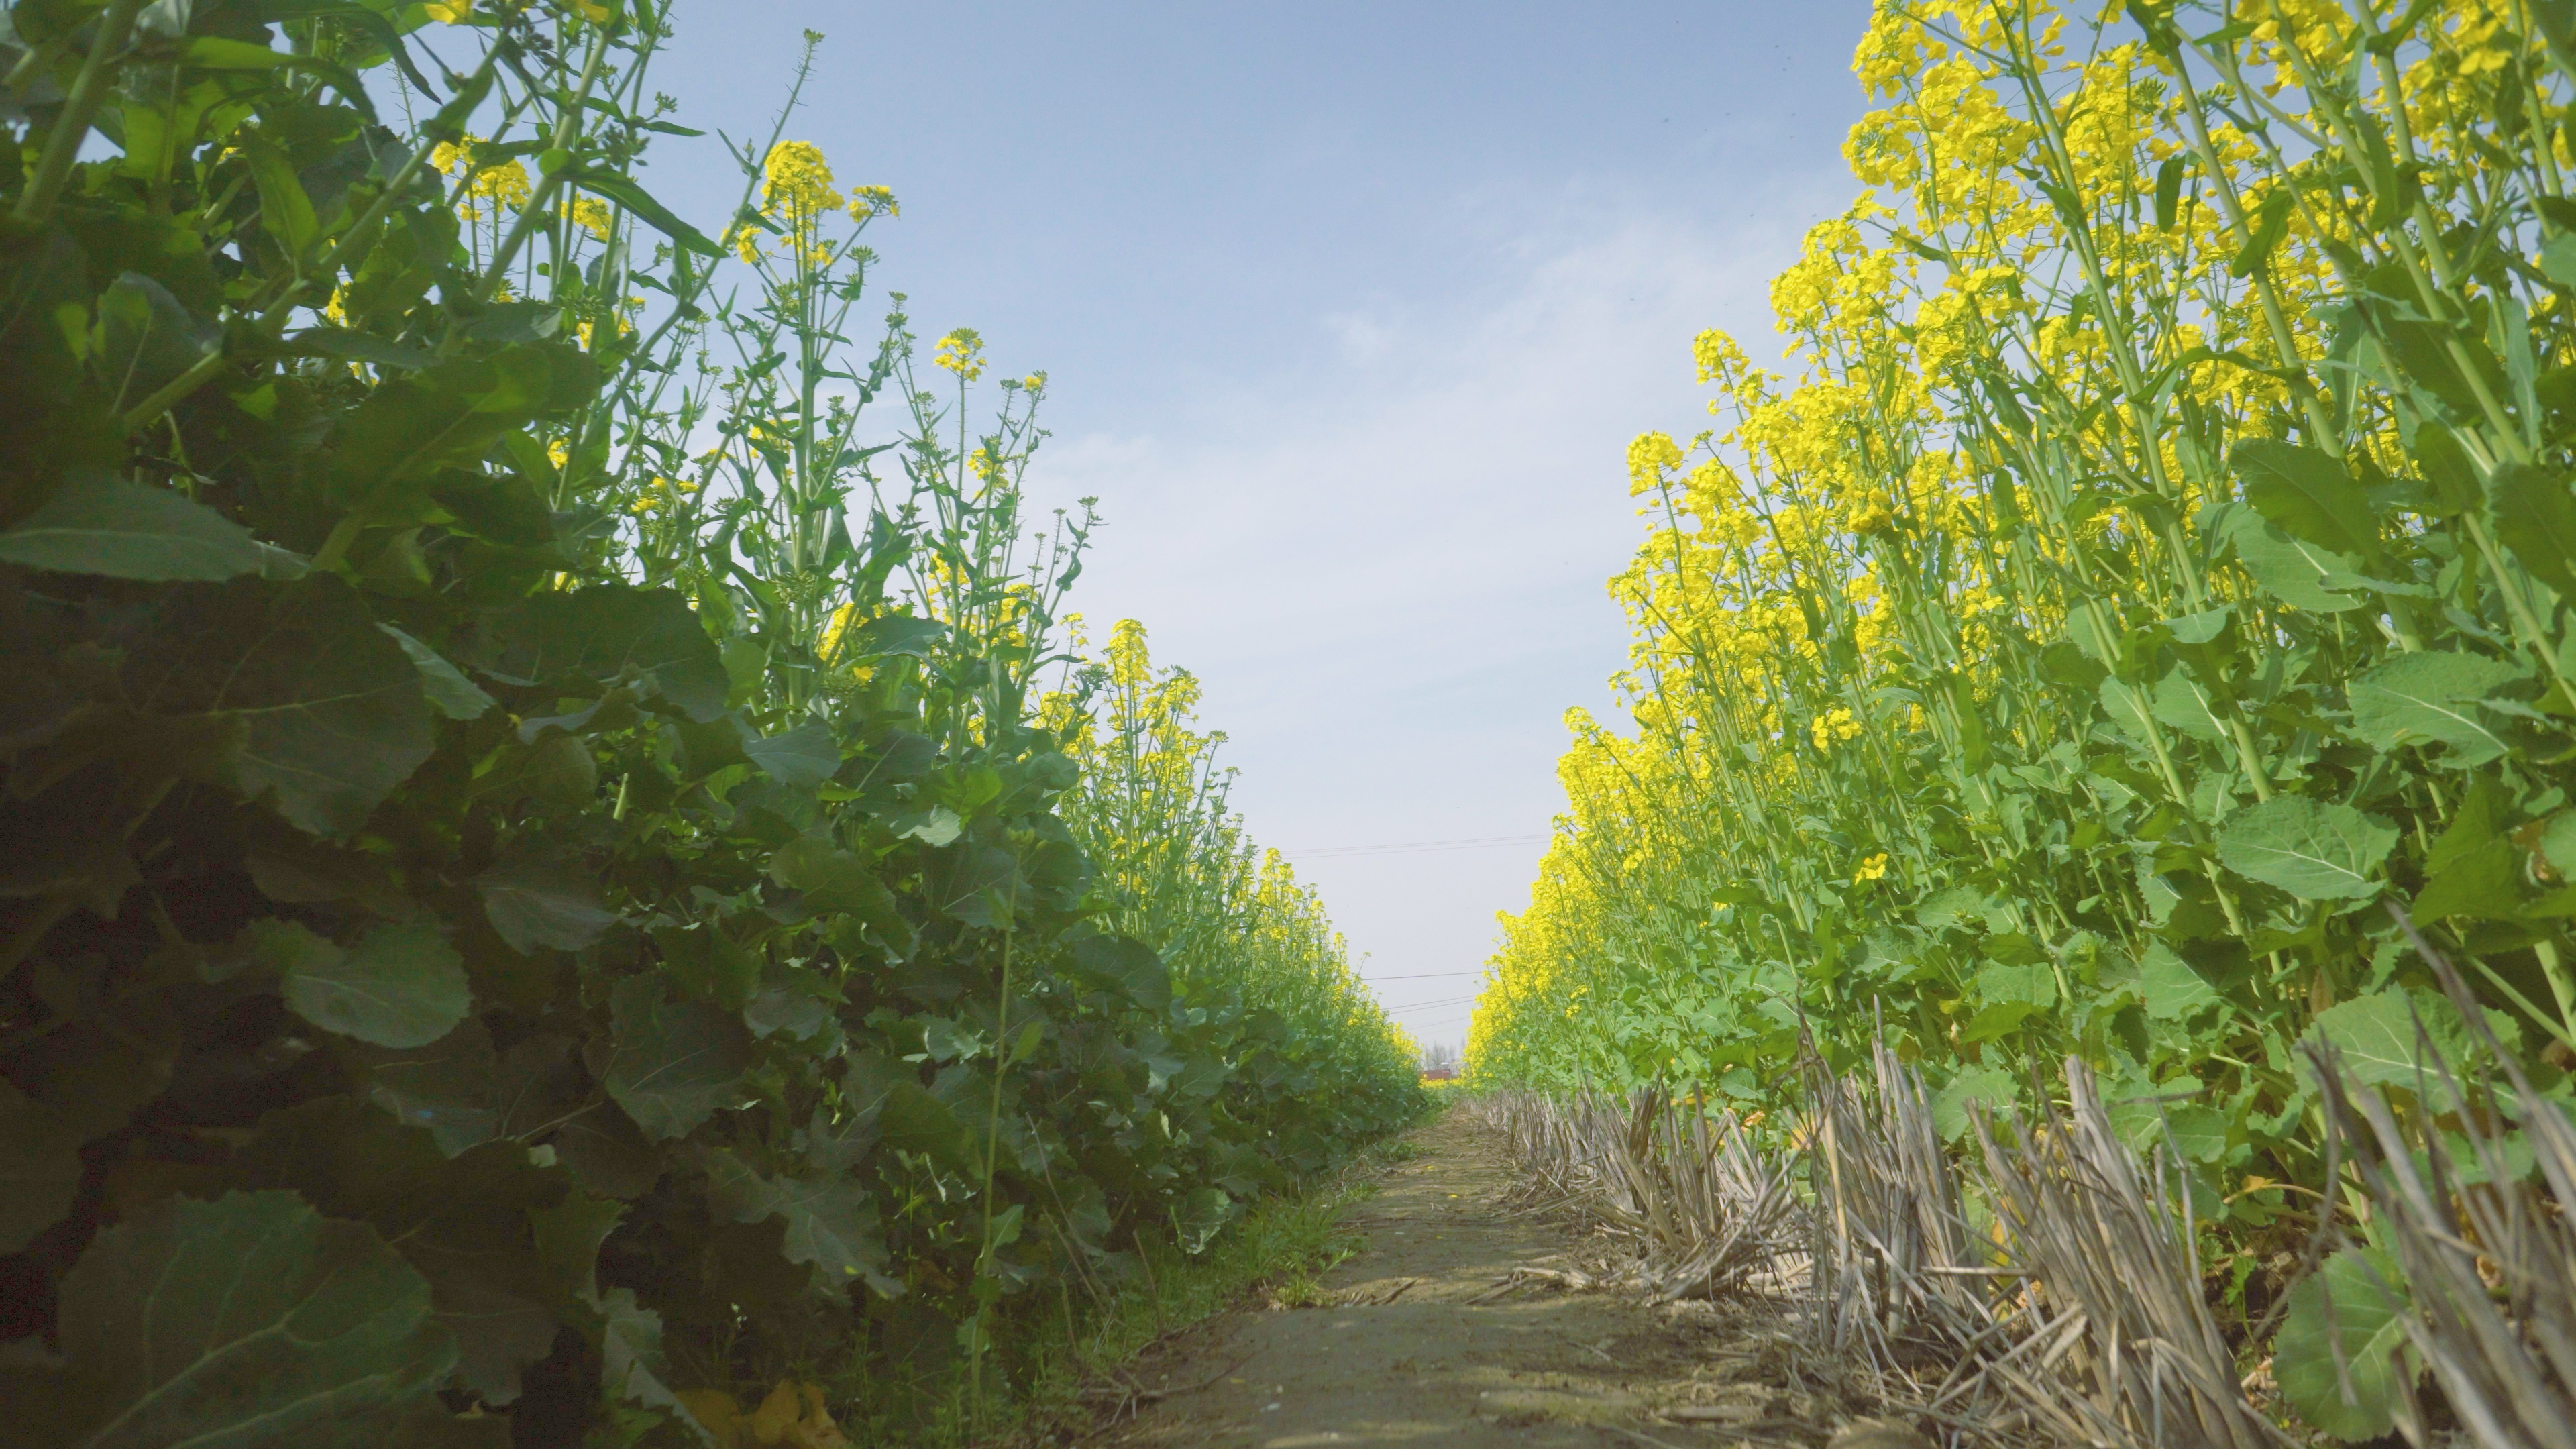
point(1349, 313)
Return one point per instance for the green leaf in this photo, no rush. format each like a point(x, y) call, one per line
point(348, 346)
point(674, 1063)
point(146, 338)
point(535, 902)
point(2270, 224)
point(2475, 869)
point(446, 686)
point(800, 759)
point(2558, 844)
point(1991, 1087)
point(2313, 851)
point(2173, 991)
point(445, 1087)
point(977, 884)
point(2430, 697)
point(40, 1167)
point(101, 524)
point(1200, 1215)
point(450, 415)
point(2308, 494)
point(622, 190)
point(2144, 1121)
point(2181, 702)
point(831, 1220)
point(1127, 966)
point(2357, 1301)
point(400, 986)
point(2289, 569)
point(630, 1349)
point(285, 212)
point(834, 881)
point(608, 631)
point(2375, 1039)
point(250, 1320)
point(896, 634)
point(333, 710)
point(2169, 191)
point(2536, 518)
point(2034, 984)
point(460, 1220)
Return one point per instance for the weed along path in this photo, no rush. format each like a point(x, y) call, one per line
point(1418, 1338)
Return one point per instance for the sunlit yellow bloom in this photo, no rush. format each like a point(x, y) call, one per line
point(962, 352)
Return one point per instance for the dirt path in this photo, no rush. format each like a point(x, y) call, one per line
point(1405, 1353)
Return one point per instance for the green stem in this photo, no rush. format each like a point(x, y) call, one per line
point(62, 145)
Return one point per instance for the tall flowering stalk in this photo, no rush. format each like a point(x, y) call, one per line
point(2157, 555)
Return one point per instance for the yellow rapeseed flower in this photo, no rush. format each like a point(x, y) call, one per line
point(962, 352)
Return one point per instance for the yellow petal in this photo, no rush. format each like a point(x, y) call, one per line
point(715, 1409)
point(776, 1415)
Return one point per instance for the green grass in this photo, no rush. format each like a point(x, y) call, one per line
point(1274, 1254)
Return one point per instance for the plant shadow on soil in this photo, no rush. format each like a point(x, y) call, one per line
point(1405, 1342)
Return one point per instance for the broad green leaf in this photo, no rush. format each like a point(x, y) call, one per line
point(40, 1167)
point(2314, 851)
point(568, 1236)
point(446, 686)
point(445, 1087)
point(2376, 1043)
point(896, 634)
point(977, 884)
point(630, 1348)
point(2173, 991)
point(2181, 702)
point(1957, 906)
point(2130, 708)
point(831, 1220)
point(2480, 879)
point(800, 759)
point(101, 524)
point(1200, 1215)
point(460, 1220)
point(251, 1320)
point(2289, 569)
point(674, 1063)
point(450, 415)
point(832, 1224)
point(608, 631)
point(2430, 697)
point(2360, 1294)
point(1128, 966)
point(399, 986)
point(146, 339)
point(2143, 1119)
point(2535, 517)
point(535, 902)
point(285, 211)
point(2199, 628)
point(2031, 983)
point(2308, 495)
point(1991, 1087)
point(834, 881)
point(333, 710)
point(2558, 844)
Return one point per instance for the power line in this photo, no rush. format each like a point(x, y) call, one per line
point(1424, 976)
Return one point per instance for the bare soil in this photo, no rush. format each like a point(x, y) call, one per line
point(1415, 1347)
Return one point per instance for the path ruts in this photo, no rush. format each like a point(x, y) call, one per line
point(1408, 1356)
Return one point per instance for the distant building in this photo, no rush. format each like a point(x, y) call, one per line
point(1440, 1063)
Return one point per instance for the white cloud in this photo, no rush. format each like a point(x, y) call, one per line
point(1388, 570)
